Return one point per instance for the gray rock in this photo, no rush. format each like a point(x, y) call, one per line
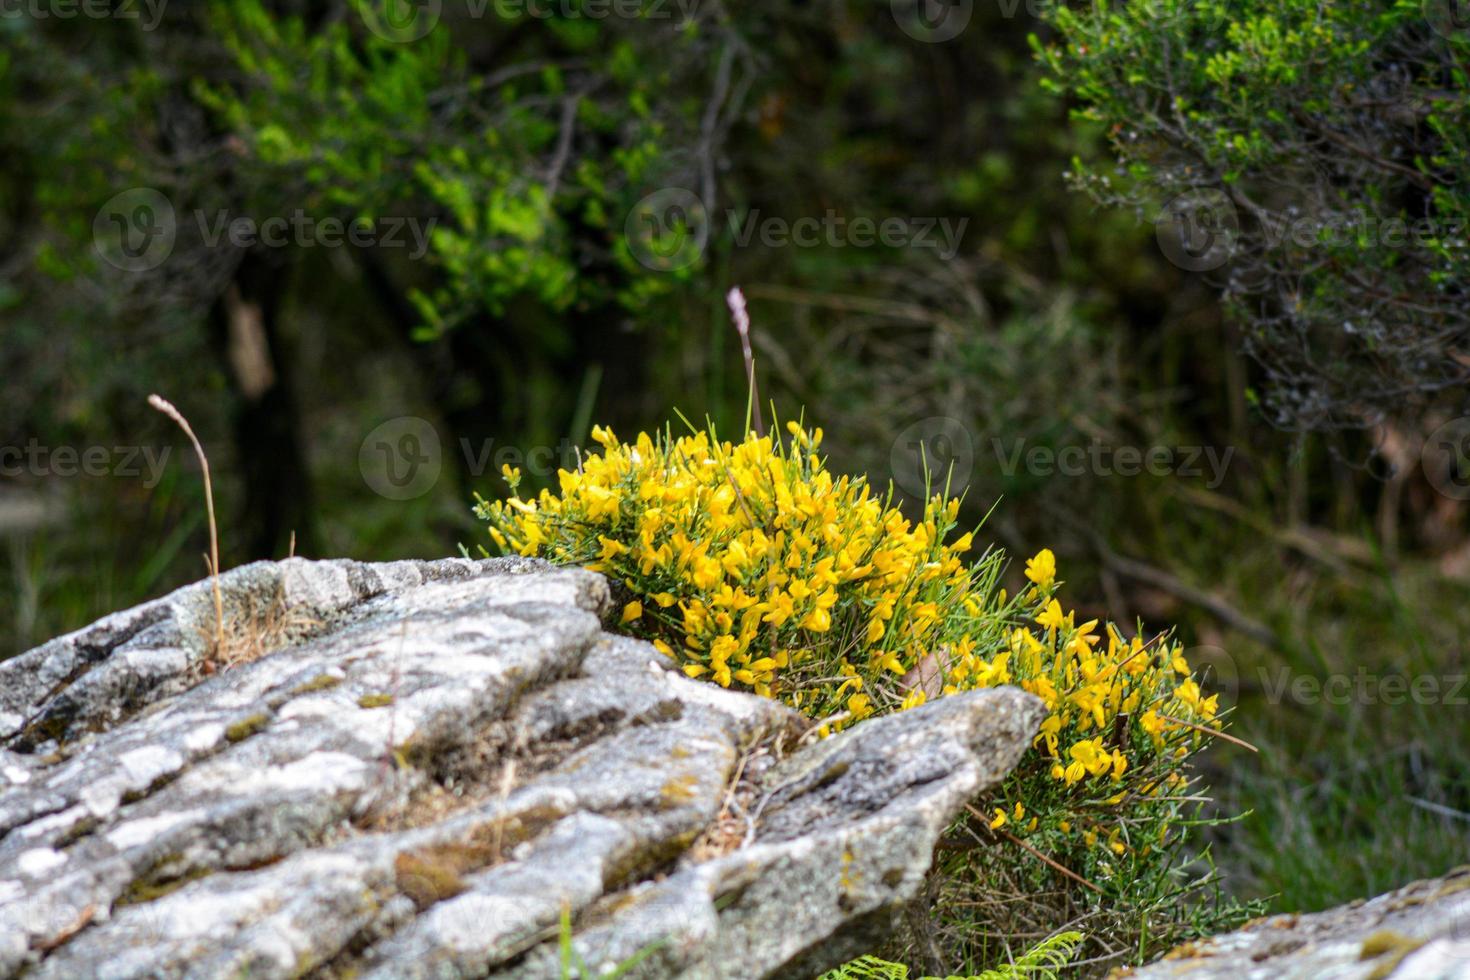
point(417, 769)
point(1419, 932)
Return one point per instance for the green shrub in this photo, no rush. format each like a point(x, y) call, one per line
point(1326, 145)
point(756, 568)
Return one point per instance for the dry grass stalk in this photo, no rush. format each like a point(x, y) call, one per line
point(167, 408)
point(741, 315)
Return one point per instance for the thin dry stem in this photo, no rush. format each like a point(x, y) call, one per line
point(1034, 852)
point(167, 408)
point(741, 315)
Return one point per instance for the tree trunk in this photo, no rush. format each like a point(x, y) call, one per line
point(272, 464)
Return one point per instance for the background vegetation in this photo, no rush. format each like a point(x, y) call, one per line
point(1331, 542)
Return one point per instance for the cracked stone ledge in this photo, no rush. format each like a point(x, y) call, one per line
point(430, 763)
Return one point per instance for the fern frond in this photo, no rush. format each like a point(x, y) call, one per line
point(868, 968)
point(1039, 963)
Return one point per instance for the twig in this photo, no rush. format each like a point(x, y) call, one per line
point(1033, 851)
point(817, 726)
point(1209, 731)
point(1160, 579)
point(1438, 808)
point(563, 145)
point(166, 407)
point(1223, 611)
point(507, 783)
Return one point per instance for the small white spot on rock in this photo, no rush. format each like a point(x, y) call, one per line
point(39, 860)
point(136, 832)
point(62, 821)
point(323, 772)
point(473, 921)
point(149, 762)
point(204, 737)
point(17, 775)
point(157, 661)
point(101, 798)
point(11, 721)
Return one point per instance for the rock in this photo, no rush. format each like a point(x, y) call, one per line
point(1419, 932)
point(416, 769)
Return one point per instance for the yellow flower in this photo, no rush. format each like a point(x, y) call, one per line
point(1043, 568)
point(791, 582)
point(1000, 819)
point(1091, 755)
point(779, 608)
point(1052, 618)
point(707, 572)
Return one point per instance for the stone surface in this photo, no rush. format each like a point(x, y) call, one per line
point(1419, 932)
point(417, 769)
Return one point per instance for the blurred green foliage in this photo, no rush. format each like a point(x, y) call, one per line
point(1330, 140)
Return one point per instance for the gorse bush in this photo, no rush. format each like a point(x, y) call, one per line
point(754, 567)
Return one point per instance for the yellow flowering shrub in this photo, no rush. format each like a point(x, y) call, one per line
point(754, 567)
